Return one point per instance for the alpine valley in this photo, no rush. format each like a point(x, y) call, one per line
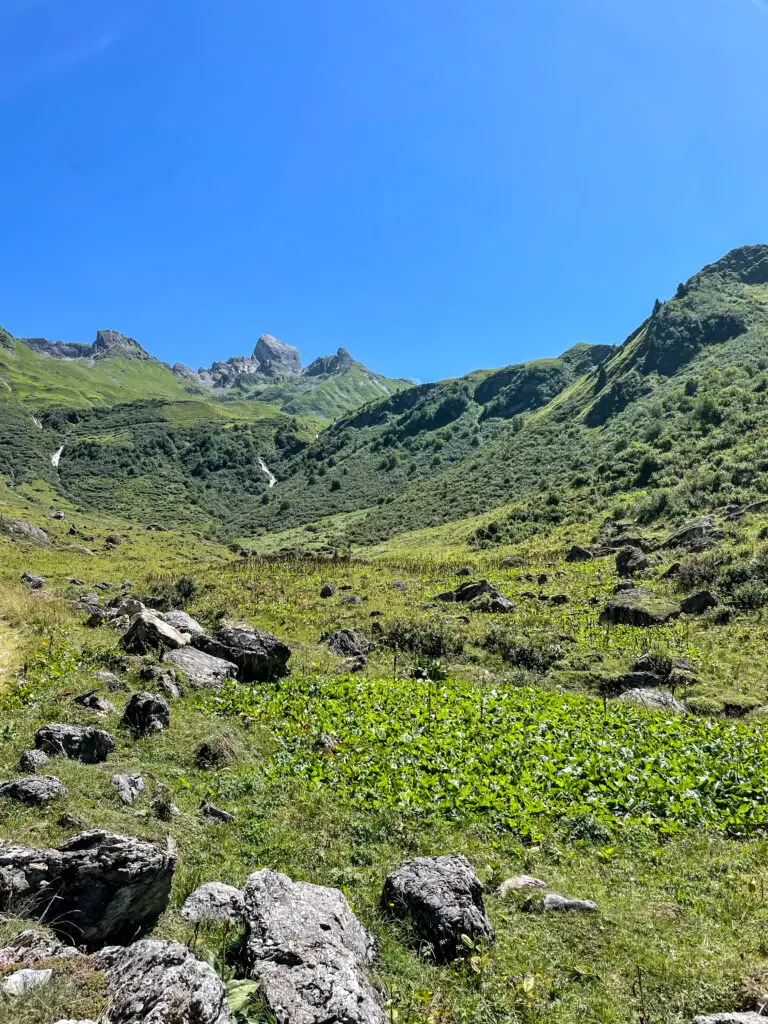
point(329, 698)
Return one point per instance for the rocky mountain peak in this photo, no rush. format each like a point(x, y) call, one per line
point(276, 357)
point(114, 343)
point(330, 364)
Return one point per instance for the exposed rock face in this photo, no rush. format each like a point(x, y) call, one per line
point(443, 897)
point(630, 561)
point(29, 947)
point(480, 595)
point(77, 742)
point(330, 364)
point(31, 761)
point(35, 791)
point(212, 903)
point(554, 902)
point(699, 532)
point(700, 602)
point(259, 656)
point(154, 982)
point(578, 554)
point(638, 607)
point(95, 888)
point(654, 700)
point(128, 787)
point(107, 343)
point(308, 952)
point(182, 622)
point(20, 530)
point(275, 357)
point(148, 632)
point(202, 671)
point(146, 713)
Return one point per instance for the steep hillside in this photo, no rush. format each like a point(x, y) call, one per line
point(675, 419)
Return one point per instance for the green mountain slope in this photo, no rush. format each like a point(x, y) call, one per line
point(675, 417)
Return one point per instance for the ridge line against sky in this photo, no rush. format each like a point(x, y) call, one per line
point(433, 186)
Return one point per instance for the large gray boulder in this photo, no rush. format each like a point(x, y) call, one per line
point(35, 791)
point(156, 982)
point(183, 622)
point(20, 530)
point(638, 607)
point(146, 713)
point(443, 898)
point(308, 952)
point(94, 889)
point(77, 742)
point(259, 656)
point(202, 671)
point(148, 632)
point(213, 903)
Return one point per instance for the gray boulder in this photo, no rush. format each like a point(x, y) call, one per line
point(654, 700)
point(202, 671)
point(148, 632)
point(308, 952)
point(77, 742)
point(146, 713)
point(638, 607)
point(579, 554)
point(94, 889)
point(520, 883)
point(183, 622)
point(35, 791)
point(163, 679)
point(32, 581)
point(328, 590)
point(128, 787)
point(695, 534)
point(155, 982)
point(553, 902)
point(630, 561)
point(213, 903)
point(480, 594)
point(20, 530)
point(346, 643)
point(700, 602)
point(32, 761)
point(215, 813)
point(259, 656)
point(443, 898)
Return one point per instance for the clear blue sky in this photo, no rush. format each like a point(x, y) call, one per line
point(437, 185)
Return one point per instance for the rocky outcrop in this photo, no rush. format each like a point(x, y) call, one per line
point(346, 643)
point(202, 671)
point(94, 889)
point(638, 607)
point(700, 602)
point(275, 357)
point(480, 595)
point(695, 535)
point(146, 714)
point(259, 656)
point(308, 952)
point(32, 581)
point(156, 982)
point(330, 364)
point(443, 899)
point(29, 947)
point(19, 530)
point(213, 903)
point(107, 343)
point(77, 742)
point(148, 632)
point(35, 791)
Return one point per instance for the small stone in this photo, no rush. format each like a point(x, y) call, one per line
point(32, 581)
point(18, 983)
point(93, 702)
point(215, 813)
point(31, 761)
point(519, 884)
point(129, 787)
point(555, 902)
point(328, 590)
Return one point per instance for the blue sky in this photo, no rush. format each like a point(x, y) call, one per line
point(437, 185)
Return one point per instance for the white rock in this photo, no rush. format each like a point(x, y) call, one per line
point(518, 884)
point(21, 981)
